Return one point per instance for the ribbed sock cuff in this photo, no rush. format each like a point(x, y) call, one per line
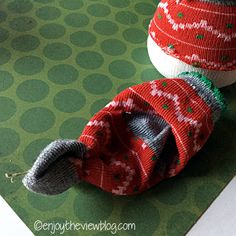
point(207, 91)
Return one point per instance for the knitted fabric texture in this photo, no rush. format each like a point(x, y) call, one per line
point(199, 33)
point(53, 172)
point(147, 133)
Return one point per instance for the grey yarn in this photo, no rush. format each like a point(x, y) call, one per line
point(153, 129)
point(157, 134)
point(52, 172)
point(205, 93)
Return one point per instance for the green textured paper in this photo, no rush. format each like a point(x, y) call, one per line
point(62, 61)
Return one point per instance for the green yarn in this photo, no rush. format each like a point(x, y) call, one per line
point(220, 98)
point(208, 83)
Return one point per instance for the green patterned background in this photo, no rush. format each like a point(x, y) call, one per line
point(62, 61)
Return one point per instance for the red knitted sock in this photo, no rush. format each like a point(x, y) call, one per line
point(146, 134)
point(195, 35)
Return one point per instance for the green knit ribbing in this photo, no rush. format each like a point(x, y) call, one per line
point(208, 83)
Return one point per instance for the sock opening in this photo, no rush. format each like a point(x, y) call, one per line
point(157, 134)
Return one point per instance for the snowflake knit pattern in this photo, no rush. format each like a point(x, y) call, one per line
point(145, 134)
point(200, 33)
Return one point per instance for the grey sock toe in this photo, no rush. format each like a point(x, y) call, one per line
point(52, 172)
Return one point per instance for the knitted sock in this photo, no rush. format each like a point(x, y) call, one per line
point(146, 134)
point(53, 172)
point(196, 35)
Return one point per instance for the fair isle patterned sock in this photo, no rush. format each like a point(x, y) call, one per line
point(200, 33)
point(147, 133)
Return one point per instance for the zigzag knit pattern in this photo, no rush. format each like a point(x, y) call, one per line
point(200, 33)
point(147, 133)
point(128, 163)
